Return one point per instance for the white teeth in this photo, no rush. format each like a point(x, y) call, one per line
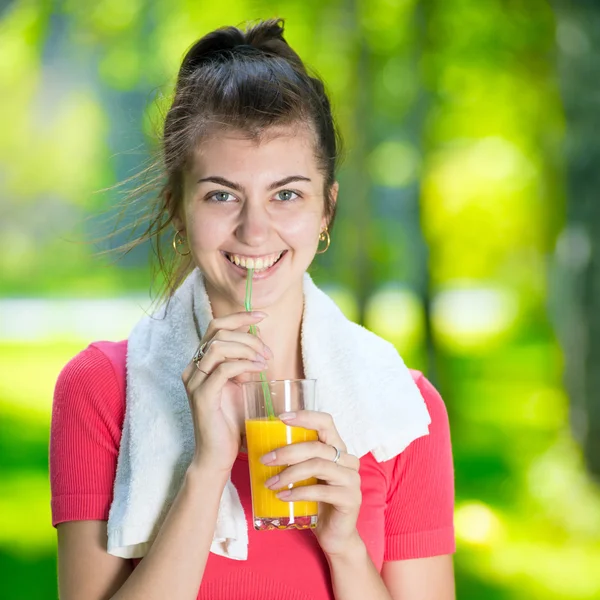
point(259, 264)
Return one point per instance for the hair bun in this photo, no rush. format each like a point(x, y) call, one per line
point(266, 34)
point(212, 44)
point(224, 43)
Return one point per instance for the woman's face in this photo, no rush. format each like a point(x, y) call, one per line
point(254, 203)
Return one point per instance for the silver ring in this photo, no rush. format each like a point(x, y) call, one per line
point(200, 353)
point(338, 453)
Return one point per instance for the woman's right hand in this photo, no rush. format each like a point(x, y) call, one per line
point(212, 386)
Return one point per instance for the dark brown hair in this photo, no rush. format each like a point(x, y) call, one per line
point(248, 81)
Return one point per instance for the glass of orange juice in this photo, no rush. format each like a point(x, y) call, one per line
point(266, 432)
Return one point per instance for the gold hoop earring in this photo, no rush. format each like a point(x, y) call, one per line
point(179, 241)
point(322, 237)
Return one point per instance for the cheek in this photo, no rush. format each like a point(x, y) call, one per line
point(205, 233)
point(302, 229)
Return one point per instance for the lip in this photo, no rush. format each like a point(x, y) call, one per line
point(255, 256)
point(243, 272)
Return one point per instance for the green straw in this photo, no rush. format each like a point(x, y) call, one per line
point(263, 377)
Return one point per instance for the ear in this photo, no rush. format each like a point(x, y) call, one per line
point(178, 224)
point(177, 220)
point(333, 194)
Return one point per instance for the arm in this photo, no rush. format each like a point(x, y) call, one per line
point(429, 578)
point(87, 415)
point(355, 577)
point(174, 565)
point(85, 570)
point(420, 510)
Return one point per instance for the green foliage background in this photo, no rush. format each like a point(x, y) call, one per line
point(453, 197)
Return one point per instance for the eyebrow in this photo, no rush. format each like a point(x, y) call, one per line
point(239, 188)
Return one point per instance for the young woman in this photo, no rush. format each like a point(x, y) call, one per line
point(249, 154)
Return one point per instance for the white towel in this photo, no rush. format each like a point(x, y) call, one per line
point(361, 381)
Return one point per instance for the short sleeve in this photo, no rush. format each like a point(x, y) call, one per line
point(85, 433)
point(419, 517)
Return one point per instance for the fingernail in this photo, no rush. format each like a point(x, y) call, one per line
point(272, 481)
point(267, 458)
point(269, 352)
point(260, 358)
point(284, 494)
point(259, 314)
point(288, 416)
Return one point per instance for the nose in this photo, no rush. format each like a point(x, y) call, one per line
point(253, 228)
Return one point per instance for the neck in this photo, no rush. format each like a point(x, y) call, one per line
point(280, 330)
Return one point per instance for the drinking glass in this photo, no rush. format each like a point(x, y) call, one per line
point(265, 432)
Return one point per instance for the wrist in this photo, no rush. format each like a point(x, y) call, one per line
point(201, 473)
point(353, 551)
point(218, 463)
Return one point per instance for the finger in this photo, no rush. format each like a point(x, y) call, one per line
point(219, 350)
point(233, 321)
point(320, 422)
point(214, 383)
point(246, 377)
point(300, 451)
point(188, 373)
point(340, 497)
point(224, 335)
point(318, 468)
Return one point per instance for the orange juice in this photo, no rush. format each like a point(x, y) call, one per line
point(262, 436)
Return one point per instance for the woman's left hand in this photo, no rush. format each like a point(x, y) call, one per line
point(338, 490)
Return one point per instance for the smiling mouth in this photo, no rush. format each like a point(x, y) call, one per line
point(258, 264)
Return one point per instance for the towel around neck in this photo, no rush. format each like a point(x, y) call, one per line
point(361, 381)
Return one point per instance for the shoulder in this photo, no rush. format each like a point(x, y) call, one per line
point(98, 359)
point(94, 377)
point(430, 454)
point(113, 353)
point(433, 400)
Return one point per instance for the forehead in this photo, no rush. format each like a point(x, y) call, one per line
point(277, 150)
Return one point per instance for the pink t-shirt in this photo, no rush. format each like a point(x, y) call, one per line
point(406, 511)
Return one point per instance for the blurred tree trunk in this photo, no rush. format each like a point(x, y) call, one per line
point(576, 296)
point(379, 241)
